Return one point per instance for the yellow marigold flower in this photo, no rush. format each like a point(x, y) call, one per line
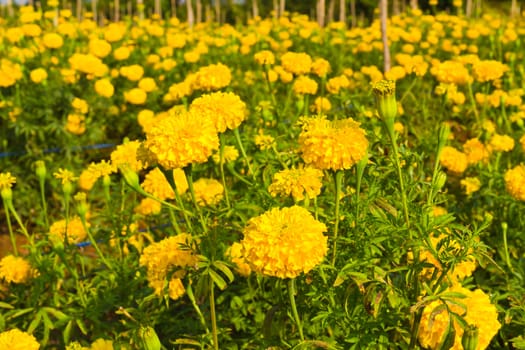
point(475, 151)
point(180, 90)
point(15, 269)
point(208, 191)
point(99, 47)
point(52, 40)
point(478, 311)
point(133, 72)
point(76, 124)
point(74, 231)
point(297, 182)
point(335, 84)
point(102, 344)
point(65, 176)
point(234, 253)
point(320, 67)
point(80, 105)
point(471, 185)
point(87, 180)
point(332, 145)
point(263, 141)
point(148, 84)
point(136, 96)
point(296, 63)
point(122, 53)
point(6, 180)
point(488, 70)
point(15, 339)
point(148, 206)
point(395, 73)
point(522, 142)
point(515, 182)
point(126, 155)
point(88, 64)
point(173, 253)
point(230, 155)
point(155, 183)
point(284, 242)
point(305, 85)
point(212, 77)
point(453, 160)
point(38, 75)
point(321, 105)
point(176, 288)
point(225, 109)
point(264, 57)
point(438, 211)
point(104, 88)
point(182, 139)
point(451, 72)
point(501, 143)
point(114, 32)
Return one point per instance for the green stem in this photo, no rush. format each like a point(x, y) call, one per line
point(44, 203)
point(20, 223)
point(504, 227)
point(189, 177)
point(171, 181)
point(174, 222)
point(291, 294)
point(213, 316)
point(221, 169)
point(270, 90)
point(338, 179)
point(94, 243)
point(473, 102)
point(243, 152)
point(10, 228)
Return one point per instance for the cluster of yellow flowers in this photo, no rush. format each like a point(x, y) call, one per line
point(297, 183)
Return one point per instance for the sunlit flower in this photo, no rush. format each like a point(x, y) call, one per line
point(38, 75)
point(6, 180)
point(335, 84)
point(477, 310)
point(320, 67)
point(451, 72)
point(321, 105)
point(15, 339)
point(225, 109)
point(264, 57)
point(148, 206)
point(72, 229)
point(136, 96)
point(126, 155)
point(148, 84)
point(501, 143)
point(155, 183)
point(208, 191)
point(305, 85)
point(52, 40)
point(515, 182)
point(15, 269)
point(332, 145)
point(296, 63)
point(104, 88)
point(212, 77)
point(471, 185)
point(65, 176)
point(476, 151)
point(284, 242)
point(133, 72)
point(234, 253)
point(488, 70)
point(453, 160)
point(102, 344)
point(297, 183)
point(182, 139)
point(264, 141)
point(171, 255)
point(230, 154)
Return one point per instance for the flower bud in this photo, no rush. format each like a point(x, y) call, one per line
point(385, 92)
point(148, 339)
point(7, 194)
point(41, 170)
point(440, 180)
point(82, 207)
point(469, 340)
point(131, 178)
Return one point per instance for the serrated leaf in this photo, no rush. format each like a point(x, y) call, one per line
point(217, 279)
point(224, 269)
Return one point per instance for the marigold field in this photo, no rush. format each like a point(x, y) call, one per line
point(262, 186)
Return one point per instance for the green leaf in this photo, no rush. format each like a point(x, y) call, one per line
point(225, 269)
point(35, 323)
point(82, 326)
point(6, 305)
point(21, 312)
point(217, 279)
point(59, 315)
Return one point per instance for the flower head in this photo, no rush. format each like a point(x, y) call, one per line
point(296, 63)
point(515, 182)
point(297, 183)
point(182, 139)
point(284, 242)
point(15, 339)
point(332, 144)
point(234, 252)
point(453, 160)
point(478, 311)
point(6, 180)
point(471, 185)
point(264, 57)
point(65, 176)
point(208, 191)
point(225, 109)
point(73, 230)
point(212, 77)
point(127, 155)
point(15, 269)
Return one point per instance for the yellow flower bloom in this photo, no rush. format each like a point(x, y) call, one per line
point(65, 176)
point(148, 206)
point(80, 105)
point(225, 109)
point(234, 253)
point(102, 344)
point(321, 105)
point(122, 53)
point(99, 48)
point(230, 155)
point(52, 40)
point(296, 63)
point(176, 288)
point(76, 124)
point(38, 75)
point(451, 72)
point(136, 96)
point(488, 70)
point(264, 57)
point(501, 143)
point(453, 160)
point(104, 88)
point(332, 144)
point(297, 182)
point(476, 151)
point(155, 183)
point(263, 141)
point(320, 67)
point(126, 155)
point(334, 85)
point(88, 64)
point(471, 185)
point(148, 84)
point(515, 182)
point(305, 85)
point(478, 312)
point(171, 254)
point(284, 242)
point(15, 269)
point(6, 180)
point(15, 339)
point(212, 77)
point(208, 191)
point(74, 230)
point(182, 139)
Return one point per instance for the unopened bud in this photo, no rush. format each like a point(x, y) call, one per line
point(385, 92)
point(148, 339)
point(470, 338)
point(440, 180)
point(41, 170)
